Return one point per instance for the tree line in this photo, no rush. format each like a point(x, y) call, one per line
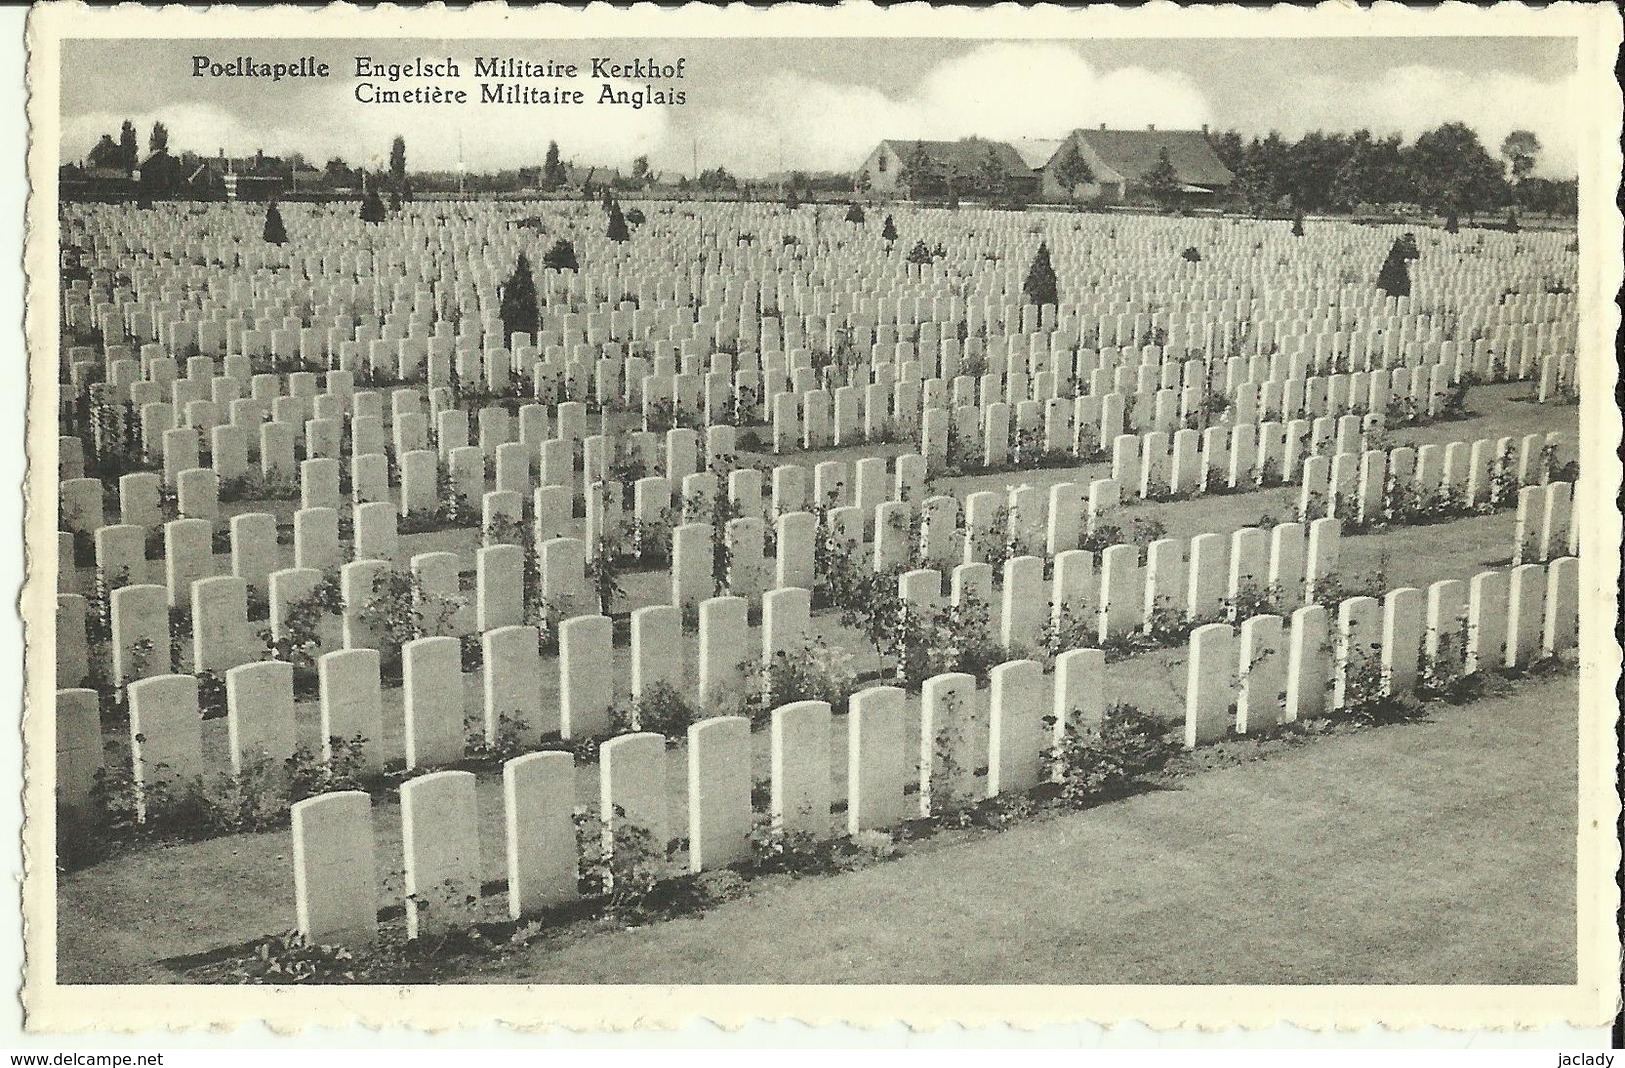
point(1446, 170)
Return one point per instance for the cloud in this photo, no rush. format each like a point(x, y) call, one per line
point(1412, 99)
point(1002, 91)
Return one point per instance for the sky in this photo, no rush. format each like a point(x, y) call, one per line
point(757, 106)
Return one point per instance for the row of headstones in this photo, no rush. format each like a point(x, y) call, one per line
point(335, 873)
point(222, 635)
point(1274, 674)
point(990, 285)
point(1243, 456)
point(1120, 601)
point(1346, 485)
point(1360, 485)
point(1383, 340)
point(1271, 677)
point(616, 379)
point(1199, 578)
point(166, 731)
point(491, 269)
point(166, 727)
point(407, 353)
point(1349, 483)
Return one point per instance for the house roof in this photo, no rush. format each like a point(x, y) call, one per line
point(970, 154)
point(1132, 153)
point(1037, 151)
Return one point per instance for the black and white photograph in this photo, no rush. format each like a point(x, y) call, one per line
point(823, 507)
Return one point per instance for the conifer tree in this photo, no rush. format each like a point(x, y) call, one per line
point(1162, 181)
point(372, 207)
point(888, 231)
point(275, 232)
point(617, 231)
point(552, 169)
point(1394, 278)
point(1041, 287)
point(561, 257)
point(854, 213)
point(518, 309)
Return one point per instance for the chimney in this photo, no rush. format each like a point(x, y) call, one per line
point(1204, 129)
point(1102, 126)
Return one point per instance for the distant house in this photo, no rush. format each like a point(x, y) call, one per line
point(1117, 161)
point(161, 176)
point(260, 177)
point(931, 169)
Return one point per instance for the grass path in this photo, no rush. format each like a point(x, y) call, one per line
point(1441, 852)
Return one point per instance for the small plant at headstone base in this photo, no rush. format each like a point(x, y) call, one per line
point(504, 530)
point(621, 872)
point(776, 849)
point(471, 652)
point(920, 254)
point(1317, 506)
point(1064, 631)
point(309, 774)
point(1402, 411)
point(211, 694)
point(660, 415)
point(1218, 483)
point(1443, 675)
point(291, 959)
point(1368, 697)
point(1040, 286)
point(253, 799)
point(817, 671)
point(1027, 448)
point(509, 741)
point(301, 640)
point(1146, 529)
point(960, 638)
point(661, 709)
point(1254, 598)
point(173, 809)
point(1090, 764)
point(604, 576)
point(949, 808)
point(452, 510)
point(392, 608)
point(635, 216)
point(1168, 625)
point(448, 914)
point(1453, 401)
point(1191, 255)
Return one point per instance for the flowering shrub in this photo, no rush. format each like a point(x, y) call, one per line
point(1093, 764)
point(817, 671)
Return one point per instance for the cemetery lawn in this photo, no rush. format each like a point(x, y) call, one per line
point(1435, 853)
